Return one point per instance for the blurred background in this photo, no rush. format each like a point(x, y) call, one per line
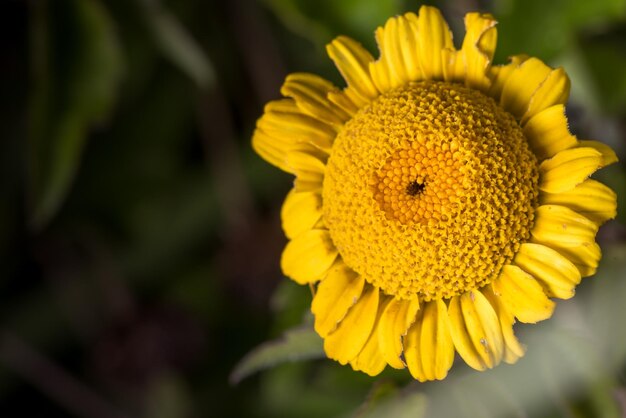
point(140, 235)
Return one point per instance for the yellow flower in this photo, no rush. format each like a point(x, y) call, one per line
point(437, 199)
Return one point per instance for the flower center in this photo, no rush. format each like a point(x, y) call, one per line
point(430, 190)
point(400, 186)
point(414, 188)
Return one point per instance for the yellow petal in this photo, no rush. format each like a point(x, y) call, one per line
point(461, 336)
point(548, 132)
point(273, 145)
point(453, 65)
point(300, 212)
point(560, 225)
point(483, 326)
point(398, 316)
point(429, 349)
point(308, 164)
point(305, 161)
point(412, 350)
point(310, 93)
point(370, 360)
point(500, 74)
point(484, 31)
point(308, 184)
point(380, 69)
point(552, 91)
point(272, 150)
point(434, 36)
point(320, 224)
point(568, 168)
point(522, 84)
point(352, 333)
point(590, 198)
point(522, 295)
point(341, 99)
point(569, 233)
point(608, 155)
point(284, 120)
point(556, 273)
point(436, 342)
point(585, 257)
point(389, 71)
point(513, 350)
point(340, 290)
point(393, 51)
point(408, 34)
point(352, 61)
point(308, 257)
point(475, 325)
point(478, 48)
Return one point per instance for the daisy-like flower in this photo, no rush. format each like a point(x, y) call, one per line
point(438, 198)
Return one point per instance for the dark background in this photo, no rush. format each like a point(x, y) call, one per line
point(140, 235)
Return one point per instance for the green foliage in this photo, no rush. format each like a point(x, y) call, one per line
point(383, 404)
point(177, 44)
point(607, 296)
point(77, 69)
point(296, 345)
point(546, 29)
point(605, 57)
point(321, 21)
point(170, 398)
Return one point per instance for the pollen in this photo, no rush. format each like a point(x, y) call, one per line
point(430, 190)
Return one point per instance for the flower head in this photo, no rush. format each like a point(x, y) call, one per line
point(437, 199)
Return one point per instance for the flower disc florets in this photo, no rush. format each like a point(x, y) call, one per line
point(430, 190)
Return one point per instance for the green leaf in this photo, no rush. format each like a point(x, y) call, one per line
point(321, 21)
point(291, 303)
point(398, 404)
point(178, 45)
point(76, 68)
point(607, 307)
point(546, 28)
point(168, 396)
point(311, 390)
point(297, 344)
point(605, 58)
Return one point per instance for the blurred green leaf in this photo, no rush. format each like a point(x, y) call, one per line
point(397, 404)
point(545, 29)
point(321, 21)
point(311, 390)
point(290, 303)
point(561, 375)
point(605, 58)
point(178, 45)
point(594, 384)
point(608, 309)
point(168, 397)
point(297, 344)
point(594, 13)
point(167, 224)
point(77, 65)
point(196, 290)
point(583, 90)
